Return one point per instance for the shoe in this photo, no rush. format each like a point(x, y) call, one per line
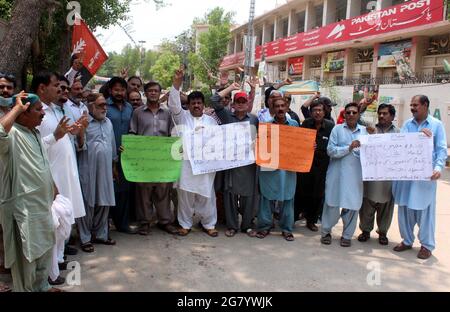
point(59, 281)
point(346, 242)
point(183, 232)
point(129, 230)
point(402, 247)
point(312, 227)
point(169, 228)
point(424, 253)
point(326, 240)
point(63, 266)
point(70, 251)
point(383, 240)
point(364, 237)
point(144, 229)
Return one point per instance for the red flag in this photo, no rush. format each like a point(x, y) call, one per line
point(86, 45)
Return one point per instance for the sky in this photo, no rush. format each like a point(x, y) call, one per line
point(151, 25)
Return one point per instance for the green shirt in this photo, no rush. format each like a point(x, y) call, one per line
point(26, 194)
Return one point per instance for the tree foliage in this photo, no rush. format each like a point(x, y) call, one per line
point(213, 45)
point(165, 67)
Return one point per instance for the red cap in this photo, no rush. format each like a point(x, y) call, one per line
point(240, 95)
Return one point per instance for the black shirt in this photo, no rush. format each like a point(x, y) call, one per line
point(321, 158)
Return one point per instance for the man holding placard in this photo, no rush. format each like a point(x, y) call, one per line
point(239, 183)
point(195, 192)
point(153, 120)
point(417, 199)
point(277, 188)
point(378, 194)
point(344, 185)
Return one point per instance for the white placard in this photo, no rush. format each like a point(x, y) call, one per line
point(218, 148)
point(397, 157)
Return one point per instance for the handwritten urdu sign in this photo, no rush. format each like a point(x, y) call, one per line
point(397, 157)
point(285, 147)
point(218, 148)
point(149, 159)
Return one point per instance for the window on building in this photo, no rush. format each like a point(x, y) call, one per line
point(367, 6)
point(272, 32)
point(316, 61)
point(319, 15)
point(259, 37)
point(301, 22)
point(285, 27)
point(341, 10)
point(364, 55)
point(395, 2)
point(439, 45)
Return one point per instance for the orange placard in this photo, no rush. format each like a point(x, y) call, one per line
point(285, 147)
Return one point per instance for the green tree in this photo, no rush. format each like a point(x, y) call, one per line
point(213, 45)
point(165, 67)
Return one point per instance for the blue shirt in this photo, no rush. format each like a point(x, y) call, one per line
point(120, 119)
point(278, 185)
point(344, 185)
point(419, 195)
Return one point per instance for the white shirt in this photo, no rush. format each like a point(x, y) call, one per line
point(77, 111)
point(199, 184)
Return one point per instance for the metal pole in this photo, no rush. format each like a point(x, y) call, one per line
point(249, 41)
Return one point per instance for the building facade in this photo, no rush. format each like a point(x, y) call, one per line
point(400, 46)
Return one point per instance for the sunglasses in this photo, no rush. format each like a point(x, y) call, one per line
point(6, 87)
point(64, 88)
point(7, 76)
point(351, 113)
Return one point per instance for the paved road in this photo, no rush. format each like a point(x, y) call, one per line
point(161, 262)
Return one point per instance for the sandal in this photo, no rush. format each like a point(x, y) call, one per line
point(4, 288)
point(326, 240)
point(383, 240)
point(144, 230)
point(262, 234)
point(211, 232)
point(87, 247)
point(183, 232)
point(288, 236)
point(108, 242)
point(230, 233)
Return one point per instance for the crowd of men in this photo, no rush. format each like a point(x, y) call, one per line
point(60, 170)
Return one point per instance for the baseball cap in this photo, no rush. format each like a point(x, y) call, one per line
point(240, 95)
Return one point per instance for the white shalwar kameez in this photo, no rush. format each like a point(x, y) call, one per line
point(195, 192)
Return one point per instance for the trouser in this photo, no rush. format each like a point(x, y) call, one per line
point(149, 195)
point(120, 212)
point(2, 250)
point(235, 203)
point(425, 219)
point(57, 255)
point(94, 225)
point(30, 276)
point(330, 217)
point(190, 204)
point(310, 194)
point(384, 211)
point(265, 214)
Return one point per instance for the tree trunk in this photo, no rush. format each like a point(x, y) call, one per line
point(64, 51)
point(22, 31)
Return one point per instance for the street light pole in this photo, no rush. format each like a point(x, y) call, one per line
point(249, 41)
point(142, 56)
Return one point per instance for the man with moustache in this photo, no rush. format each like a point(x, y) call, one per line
point(75, 101)
point(277, 187)
point(7, 85)
point(239, 183)
point(27, 194)
point(344, 185)
point(134, 84)
point(195, 192)
point(310, 192)
point(378, 194)
point(97, 165)
point(153, 120)
point(417, 199)
point(119, 112)
point(135, 99)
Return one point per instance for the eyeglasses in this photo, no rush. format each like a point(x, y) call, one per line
point(351, 113)
point(9, 88)
point(7, 76)
point(64, 88)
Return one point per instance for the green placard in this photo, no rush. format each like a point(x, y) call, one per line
point(149, 159)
